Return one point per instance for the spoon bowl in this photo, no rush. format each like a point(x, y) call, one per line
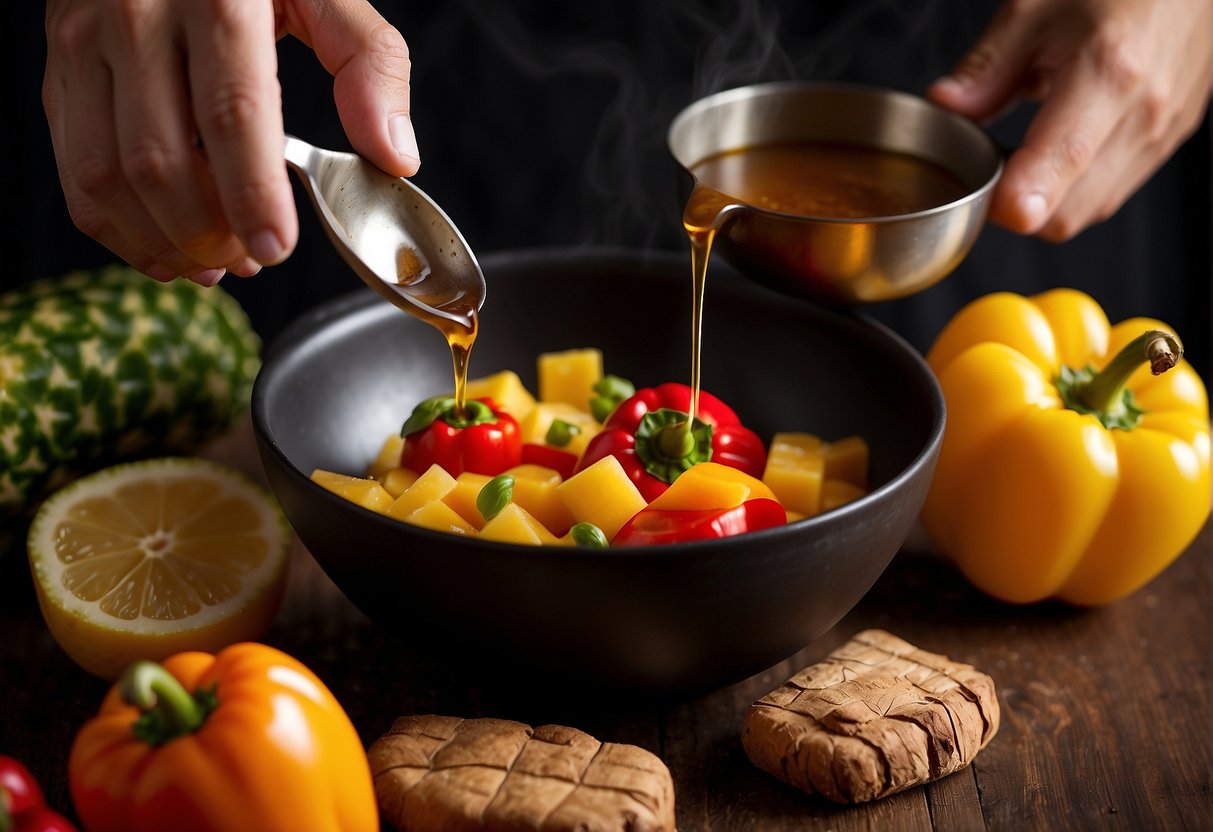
point(390, 233)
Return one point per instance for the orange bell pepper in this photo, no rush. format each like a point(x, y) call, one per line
point(1067, 469)
point(248, 738)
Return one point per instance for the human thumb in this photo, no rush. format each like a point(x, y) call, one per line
point(369, 62)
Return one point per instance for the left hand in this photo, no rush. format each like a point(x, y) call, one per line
point(1122, 84)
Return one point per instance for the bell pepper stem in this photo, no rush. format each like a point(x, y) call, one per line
point(676, 441)
point(169, 710)
point(1104, 391)
point(669, 442)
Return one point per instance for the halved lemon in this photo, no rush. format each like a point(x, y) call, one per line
point(146, 559)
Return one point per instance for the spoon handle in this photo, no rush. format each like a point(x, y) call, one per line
point(299, 153)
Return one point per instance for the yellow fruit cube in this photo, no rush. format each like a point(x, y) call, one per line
point(710, 485)
point(515, 525)
point(397, 480)
point(847, 460)
point(433, 485)
point(793, 516)
point(795, 470)
point(535, 426)
point(365, 492)
point(440, 517)
point(835, 493)
point(603, 495)
point(462, 498)
point(796, 445)
point(506, 389)
point(569, 376)
point(388, 458)
point(535, 491)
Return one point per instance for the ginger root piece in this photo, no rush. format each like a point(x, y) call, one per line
point(447, 773)
point(876, 716)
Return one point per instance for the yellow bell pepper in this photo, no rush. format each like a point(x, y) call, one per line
point(1067, 469)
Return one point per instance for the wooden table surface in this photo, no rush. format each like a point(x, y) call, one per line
point(1106, 713)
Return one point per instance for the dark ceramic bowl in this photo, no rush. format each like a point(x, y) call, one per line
point(680, 618)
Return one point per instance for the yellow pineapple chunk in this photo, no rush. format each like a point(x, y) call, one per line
point(433, 485)
point(795, 470)
point(535, 491)
point(365, 492)
point(506, 389)
point(462, 498)
point(535, 426)
point(835, 493)
point(796, 445)
point(847, 460)
point(397, 480)
point(603, 495)
point(793, 516)
point(514, 524)
point(710, 485)
point(440, 517)
point(569, 376)
point(389, 457)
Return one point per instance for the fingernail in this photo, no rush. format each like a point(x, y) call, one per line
point(951, 84)
point(400, 129)
point(209, 277)
point(266, 248)
point(246, 267)
point(161, 273)
point(1033, 210)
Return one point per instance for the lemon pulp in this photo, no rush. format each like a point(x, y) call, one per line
point(146, 559)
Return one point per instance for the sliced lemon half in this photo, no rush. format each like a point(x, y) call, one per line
point(146, 559)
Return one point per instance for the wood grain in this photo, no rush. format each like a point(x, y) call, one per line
point(1107, 714)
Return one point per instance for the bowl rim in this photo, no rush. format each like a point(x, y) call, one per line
point(775, 88)
point(363, 301)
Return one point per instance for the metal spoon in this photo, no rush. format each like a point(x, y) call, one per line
point(390, 233)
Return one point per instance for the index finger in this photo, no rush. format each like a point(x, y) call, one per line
point(1087, 100)
point(238, 109)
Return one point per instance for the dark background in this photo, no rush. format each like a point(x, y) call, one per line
point(543, 123)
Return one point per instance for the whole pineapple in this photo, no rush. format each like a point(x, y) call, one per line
point(105, 365)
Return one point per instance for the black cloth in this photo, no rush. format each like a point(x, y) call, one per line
point(543, 123)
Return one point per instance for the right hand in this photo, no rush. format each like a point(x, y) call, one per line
point(1122, 83)
point(166, 119)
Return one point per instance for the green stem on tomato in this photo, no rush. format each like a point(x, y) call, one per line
point(676, 441)
point(669, 442)
point(443, 407)
point(169, 710)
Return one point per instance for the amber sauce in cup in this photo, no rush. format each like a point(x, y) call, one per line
point(829, 180)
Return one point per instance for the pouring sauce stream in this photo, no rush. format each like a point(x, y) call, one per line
point(832, 180)
point(459, 332)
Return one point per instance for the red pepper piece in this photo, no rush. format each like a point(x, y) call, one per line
point(671, 396)
point(21, 790)
point(22, 806)
point(717, 435)
point(651, 527)
point(563, 462)
point(739, 447)
point(483, 439)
